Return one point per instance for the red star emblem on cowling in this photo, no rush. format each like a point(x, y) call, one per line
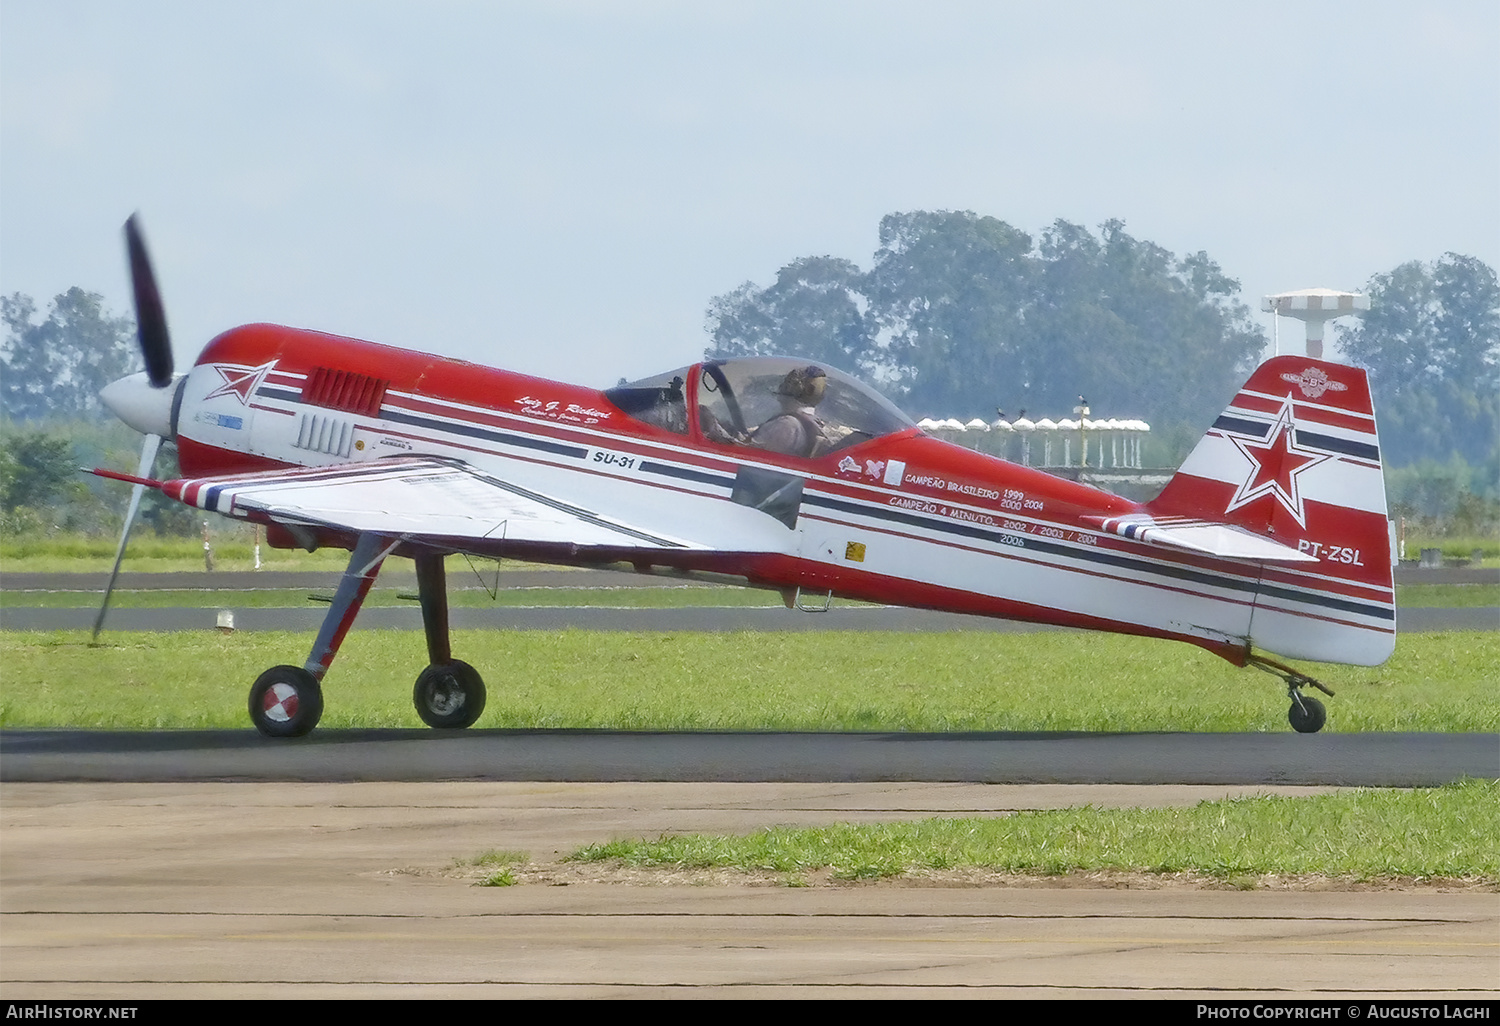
point(1275, 465)
point(239, 382)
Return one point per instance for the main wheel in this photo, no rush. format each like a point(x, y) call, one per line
point(449, 695)
point(1307, 715)
point(286, 701)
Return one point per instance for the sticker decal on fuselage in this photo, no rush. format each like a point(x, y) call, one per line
point(223, 420)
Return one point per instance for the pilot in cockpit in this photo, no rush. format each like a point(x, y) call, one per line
point(796, 431)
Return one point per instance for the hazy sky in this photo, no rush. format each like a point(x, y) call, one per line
point(561, 187)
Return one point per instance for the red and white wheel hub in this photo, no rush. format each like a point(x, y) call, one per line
point(280, 702)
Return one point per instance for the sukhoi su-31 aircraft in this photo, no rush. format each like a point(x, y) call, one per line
point(1270, 541)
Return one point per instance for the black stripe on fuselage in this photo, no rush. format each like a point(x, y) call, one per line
point(474, 431)
point(687, 474)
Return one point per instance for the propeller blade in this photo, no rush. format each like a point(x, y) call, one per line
point(150, 316)
point(148, 460)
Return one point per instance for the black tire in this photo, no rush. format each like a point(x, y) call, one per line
point(286, 701)
point(1307, 715)
point(449, 696)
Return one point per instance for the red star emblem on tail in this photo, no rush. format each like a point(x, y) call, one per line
point(1275, 466)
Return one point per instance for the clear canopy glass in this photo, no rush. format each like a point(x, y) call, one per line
point(739, 402)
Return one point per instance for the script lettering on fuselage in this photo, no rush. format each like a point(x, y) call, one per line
point(556, 409)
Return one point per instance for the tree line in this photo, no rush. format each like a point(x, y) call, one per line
point(1431, 342)
point(52, 366)
point(960, 313)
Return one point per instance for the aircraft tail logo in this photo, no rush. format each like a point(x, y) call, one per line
point(1313, 382)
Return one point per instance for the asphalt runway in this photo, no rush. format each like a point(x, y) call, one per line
point(139, 891)
point(1370, 760)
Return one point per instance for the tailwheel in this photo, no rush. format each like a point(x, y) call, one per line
point(286, 701)
point(449, 695)
point(1307, 715)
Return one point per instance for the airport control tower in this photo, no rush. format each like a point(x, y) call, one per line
point(1314, 307)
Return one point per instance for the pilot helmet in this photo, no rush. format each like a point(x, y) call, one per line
point(804, 384)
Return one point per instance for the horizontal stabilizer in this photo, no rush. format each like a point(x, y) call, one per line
point(1205, 537)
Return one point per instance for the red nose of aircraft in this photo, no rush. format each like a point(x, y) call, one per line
point(141, 405)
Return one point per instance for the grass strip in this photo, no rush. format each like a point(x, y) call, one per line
point(1366, 833)
point(151, 554)
point(662, 597)
point(233, 550)
point(836, 681)
point(1447, 596)
point(633, 596)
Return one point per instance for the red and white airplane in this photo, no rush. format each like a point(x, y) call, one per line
point(1272, 538)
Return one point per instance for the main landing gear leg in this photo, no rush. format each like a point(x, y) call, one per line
point(449, 693)
point(287, 701)
point(1307, 715)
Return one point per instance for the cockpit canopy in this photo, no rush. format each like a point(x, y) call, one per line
point(749, 402)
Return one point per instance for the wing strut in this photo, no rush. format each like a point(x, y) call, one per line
point(432, 590)
point(364, 565)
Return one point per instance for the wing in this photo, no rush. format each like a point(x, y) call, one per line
point(414, 497)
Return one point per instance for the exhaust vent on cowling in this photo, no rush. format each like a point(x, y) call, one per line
point(319, 432)
point(345, 390)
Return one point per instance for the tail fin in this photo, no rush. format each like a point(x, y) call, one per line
point(1295, 458)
